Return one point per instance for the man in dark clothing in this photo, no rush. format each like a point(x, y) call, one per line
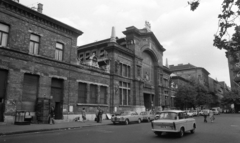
point(100, 112)
point(51, 115)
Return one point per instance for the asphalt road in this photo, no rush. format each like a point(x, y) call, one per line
point(225, 129)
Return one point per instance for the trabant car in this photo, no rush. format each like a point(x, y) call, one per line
point(126, 117)
point(173, 121)
point(147, 116)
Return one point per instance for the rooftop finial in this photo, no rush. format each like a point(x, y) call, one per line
point(148, 26)
point(113, 36)
point(167, 63)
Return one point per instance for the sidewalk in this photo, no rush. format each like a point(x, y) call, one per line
point(10, 129)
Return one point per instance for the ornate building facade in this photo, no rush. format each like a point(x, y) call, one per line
point(134, 64)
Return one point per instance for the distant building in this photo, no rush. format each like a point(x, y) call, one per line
point(190, 72)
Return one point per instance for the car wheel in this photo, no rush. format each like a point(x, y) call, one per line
point(126, 122)
point(139, 121)
point(181, 133)
point(158, 133)
point(193, 130)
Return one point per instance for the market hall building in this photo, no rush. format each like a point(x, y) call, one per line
point(41, 66)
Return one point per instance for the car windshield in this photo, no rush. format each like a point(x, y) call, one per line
point(168, 115)
point(125, 113)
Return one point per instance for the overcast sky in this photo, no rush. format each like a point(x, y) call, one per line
point(187, 36)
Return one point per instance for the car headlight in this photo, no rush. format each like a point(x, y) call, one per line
point(122, 119)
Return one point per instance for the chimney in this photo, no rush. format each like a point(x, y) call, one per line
point(167, 63)
point(40, 8)
point(113, 36)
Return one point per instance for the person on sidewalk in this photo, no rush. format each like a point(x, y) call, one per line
point(97, 117)
point(83, 115)
point(51, 115)
point(100, 113)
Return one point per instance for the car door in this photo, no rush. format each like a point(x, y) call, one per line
point(182, 119)
point(188, 122)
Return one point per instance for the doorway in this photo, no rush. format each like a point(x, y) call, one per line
point(57, 94)
point(3, 87)
point(148, 101)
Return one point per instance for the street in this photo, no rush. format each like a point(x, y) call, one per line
point(226, 128)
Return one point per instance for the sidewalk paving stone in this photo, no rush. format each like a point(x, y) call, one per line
point(10, 129)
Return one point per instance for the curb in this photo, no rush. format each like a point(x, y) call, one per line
point(46, 130)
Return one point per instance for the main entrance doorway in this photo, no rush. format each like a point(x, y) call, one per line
point(3, 86)
point(148, 101)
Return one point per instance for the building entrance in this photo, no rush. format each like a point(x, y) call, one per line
point(3, 85)
point(148, 101)
point(57, 94)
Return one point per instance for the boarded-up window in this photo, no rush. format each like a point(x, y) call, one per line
point(93, 94)
point(82, 92)
point(30, 92)
point(103, 95)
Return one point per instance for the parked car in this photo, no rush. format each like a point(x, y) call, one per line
point(194, 112)
point(126, 117)
point(173, 121)
point(215, 111)
point(189, 113)
point(206, 111)
point(147, 116)
point(218, 109)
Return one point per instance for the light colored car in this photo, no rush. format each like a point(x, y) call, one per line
point(189, 113)
point(126, 117)
point(194, 112)
point(215, 111)
point(147, 116)
point(173, 121)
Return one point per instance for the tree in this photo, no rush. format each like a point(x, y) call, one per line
point(230, 12)
point(232, 97)
point(185, 97)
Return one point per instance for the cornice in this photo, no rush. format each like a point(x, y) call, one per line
point(29, 13)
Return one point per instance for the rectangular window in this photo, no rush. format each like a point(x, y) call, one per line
point(59, 51)
point(120, 69)
point(124, 93)
point(125, 70)
point(138, 71)
point(87, 56)
point(102, 53)
point(93, 94)
point(81, 58)
point(128, 71)
point(103, 95)
point(34, 44)
point(82, 93)
point(4, 30)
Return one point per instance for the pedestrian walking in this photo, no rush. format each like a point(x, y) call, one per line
point(83, 115)
point(205, 114)
point(211, 116)
point(51, 115)
point(99, 115)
